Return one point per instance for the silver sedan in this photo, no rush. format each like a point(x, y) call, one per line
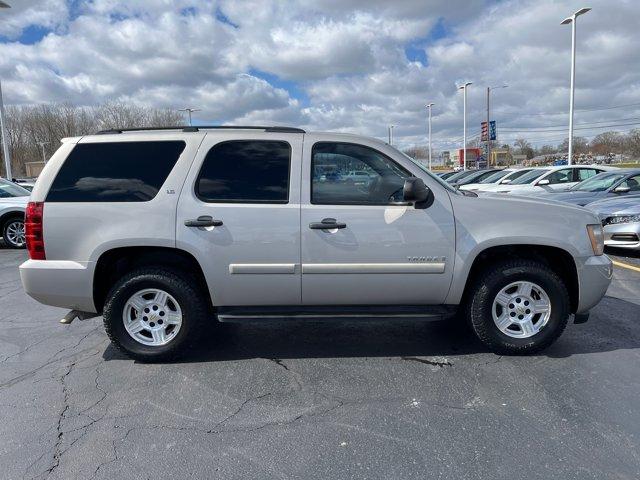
point(621, 221)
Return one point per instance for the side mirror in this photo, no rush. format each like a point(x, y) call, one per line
point(544, 181)
point(416, 191)
point(622, 189)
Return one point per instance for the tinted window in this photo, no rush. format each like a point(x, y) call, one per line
point(115, 172)
point(246, 171)
point(529, 177)
point(331, 183)
point(633, 183)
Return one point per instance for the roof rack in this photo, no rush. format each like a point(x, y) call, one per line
point(203, 127)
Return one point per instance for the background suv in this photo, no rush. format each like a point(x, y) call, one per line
point(161, 231)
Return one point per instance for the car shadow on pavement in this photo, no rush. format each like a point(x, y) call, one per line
point(614, 325)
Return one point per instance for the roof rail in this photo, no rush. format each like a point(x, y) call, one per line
point(203, 127)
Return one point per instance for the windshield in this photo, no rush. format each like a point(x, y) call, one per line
point(495, 176)
point(529, 177)
point(432, 175)
point(460, 175)
point(599, 183)
point(9, 189)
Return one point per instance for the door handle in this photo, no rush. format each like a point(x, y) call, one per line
point(203, 221)
point(327, 224)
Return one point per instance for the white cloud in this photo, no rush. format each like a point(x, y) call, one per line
point(343, 62)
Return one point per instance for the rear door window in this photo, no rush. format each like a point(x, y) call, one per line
point(561, 176)
point(115, 172)
point(245, 171)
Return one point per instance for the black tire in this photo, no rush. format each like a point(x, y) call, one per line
point(192, 301)
point(485, 289)
point(5, 228)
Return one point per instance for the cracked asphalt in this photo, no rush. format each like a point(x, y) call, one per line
point(386, 400)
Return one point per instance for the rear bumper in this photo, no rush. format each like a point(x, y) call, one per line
point(59, 283)
point(594, 277)
point(623, 235)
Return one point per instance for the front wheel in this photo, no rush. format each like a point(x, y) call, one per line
point(13, 233)
point(154, 314)
point(518, 306)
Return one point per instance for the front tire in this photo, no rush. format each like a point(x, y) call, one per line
point(154, 315)
point(518, 307)
point(13, 232)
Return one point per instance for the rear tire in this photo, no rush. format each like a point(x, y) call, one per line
point(13, 232)
point(154, 314)
point(518, 307)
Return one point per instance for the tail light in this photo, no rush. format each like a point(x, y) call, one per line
point(33, 230)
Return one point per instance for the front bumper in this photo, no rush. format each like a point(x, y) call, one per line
point(594, 277)
point(622, 235)
point(60, 283)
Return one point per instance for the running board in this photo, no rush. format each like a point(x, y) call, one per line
point(249, 314)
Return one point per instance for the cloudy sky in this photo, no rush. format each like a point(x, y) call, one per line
point(345, 65)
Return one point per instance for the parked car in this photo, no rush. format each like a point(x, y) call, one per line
point(501, 177)
point(459, 176)
point(548, 179)
point(26, 183)
point(621, 221)
point(162, 231)
point(476, 176)
point(446, 175)
point(13, 201)
point(603, 185)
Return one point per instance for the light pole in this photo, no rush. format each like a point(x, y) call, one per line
point(489, 123)
point(572, 21)
point(5, 139)
point(42, 144)
point(3, 130)
point(189, 111)
point(464, 123)
point(391, 127)
point(429, 105)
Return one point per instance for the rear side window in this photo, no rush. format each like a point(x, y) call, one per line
point(115, 172)
point(245, 171)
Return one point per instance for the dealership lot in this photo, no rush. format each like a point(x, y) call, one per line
point(322, 400)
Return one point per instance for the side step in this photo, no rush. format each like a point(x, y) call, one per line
point(261, 314)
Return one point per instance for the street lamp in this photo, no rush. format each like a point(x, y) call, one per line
point(572, 21)
point(3, 130)
point(429, 105)
point(189, 111)
point(489, 123)
point(464, 123)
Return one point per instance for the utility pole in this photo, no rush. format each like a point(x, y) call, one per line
point(189, 111)
point(5, 139)
point(572, 20)
point(489, 123)
point(430, 105)
point(464, 123)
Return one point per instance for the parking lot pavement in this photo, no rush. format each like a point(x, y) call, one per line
point(322, 400)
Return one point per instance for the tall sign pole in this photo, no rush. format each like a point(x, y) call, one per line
point(5, 139)
point(488, 130)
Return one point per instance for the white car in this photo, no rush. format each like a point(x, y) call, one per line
point(13, 202)
point(503, 177)
point(549, 179)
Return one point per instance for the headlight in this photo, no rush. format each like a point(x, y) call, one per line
point(622, 219)
point(596, 236)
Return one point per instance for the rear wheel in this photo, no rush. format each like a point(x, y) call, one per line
point(518, 306)
point(154, 314)
point(13, 232)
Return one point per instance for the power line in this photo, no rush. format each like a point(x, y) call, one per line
point(581, 110)
point(517, 130)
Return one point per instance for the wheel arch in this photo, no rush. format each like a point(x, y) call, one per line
point(557, 259)
point(10, 214)
point(114, 263)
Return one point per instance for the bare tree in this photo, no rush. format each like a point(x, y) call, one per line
point(32, 125)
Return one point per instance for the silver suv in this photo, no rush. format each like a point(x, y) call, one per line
point(160, 231)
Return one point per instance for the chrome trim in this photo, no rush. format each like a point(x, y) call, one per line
point(242, 268)
point(433, 267)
